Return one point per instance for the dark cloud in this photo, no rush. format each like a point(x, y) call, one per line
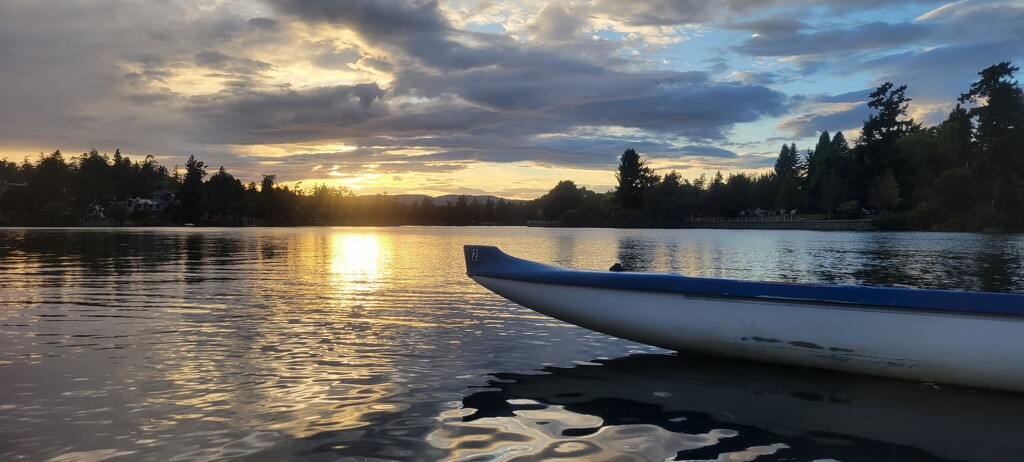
point(871, 36)
point(774, 25)
point(704, 111)
point(437, 118)
point(658, 12)
point(263, 23)
point(516, 91)
point(545, 82)
point(680, 12)
point(417, 28)
point(289, 116)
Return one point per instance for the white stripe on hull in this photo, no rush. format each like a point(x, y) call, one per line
point(973, 350)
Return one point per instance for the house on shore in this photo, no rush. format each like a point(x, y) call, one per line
point(159, 201)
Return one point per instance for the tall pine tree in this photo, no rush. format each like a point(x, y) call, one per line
point(634, 178)
point(999, 137)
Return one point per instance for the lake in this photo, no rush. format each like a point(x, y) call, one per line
point(181, 344)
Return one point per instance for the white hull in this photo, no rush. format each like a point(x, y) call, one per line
point(966, 349)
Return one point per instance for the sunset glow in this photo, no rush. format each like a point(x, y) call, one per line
point(467, 96)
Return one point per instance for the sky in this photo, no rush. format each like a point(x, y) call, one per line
point(475, 96)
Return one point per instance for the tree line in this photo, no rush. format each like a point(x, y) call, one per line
point(93, 188)
point(966, 173)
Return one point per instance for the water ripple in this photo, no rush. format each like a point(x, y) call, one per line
point(292, 344)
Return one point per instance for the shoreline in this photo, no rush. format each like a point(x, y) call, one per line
point(811, 225)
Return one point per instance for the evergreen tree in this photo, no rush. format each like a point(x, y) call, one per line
point(766, 186)
point(121, 174)
point(191, 192)
point(824, 142)
point(788, 162)
point(48, 185)
point(828, 171)
point(885, 125)
point(876, 148)
point(999, 137)
point(839, 142)
point(812, 179)
point(715, 196)
point(959, 126)
point(634, 178)
point(92, 181)
point(267, 204)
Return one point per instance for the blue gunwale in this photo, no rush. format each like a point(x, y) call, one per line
point(490, 261)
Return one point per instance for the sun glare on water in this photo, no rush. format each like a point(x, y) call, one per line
point(355, 261)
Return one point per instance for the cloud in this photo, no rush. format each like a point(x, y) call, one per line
point(977, 21)
point(219, 61)
point(858, 96)
point(492, 89)
point(756, 78)
point(555, 24)
point(706, 151)
point(417, 29)
point(772, 26)
point(788, 41)
point(677, 12)
point(659, 12)
point(253, 117)
point(943, 73)
point(435, 87)
point(701, 112)
point(831, 117)
point(263, 23)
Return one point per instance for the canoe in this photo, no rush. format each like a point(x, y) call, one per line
point(963, 338)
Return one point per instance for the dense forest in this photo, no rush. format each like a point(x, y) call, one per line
point(966, 173)
point(95, 189)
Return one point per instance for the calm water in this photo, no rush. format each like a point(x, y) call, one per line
point(371, 344)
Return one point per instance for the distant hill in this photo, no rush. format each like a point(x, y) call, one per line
point(408, 199)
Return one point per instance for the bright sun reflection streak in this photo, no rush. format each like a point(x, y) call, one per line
point(355, 263)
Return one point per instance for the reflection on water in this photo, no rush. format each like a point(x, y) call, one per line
point(696, 408)
point(356, 261)
point(321, 343)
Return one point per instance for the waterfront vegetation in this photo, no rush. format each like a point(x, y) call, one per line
point(966, 173)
